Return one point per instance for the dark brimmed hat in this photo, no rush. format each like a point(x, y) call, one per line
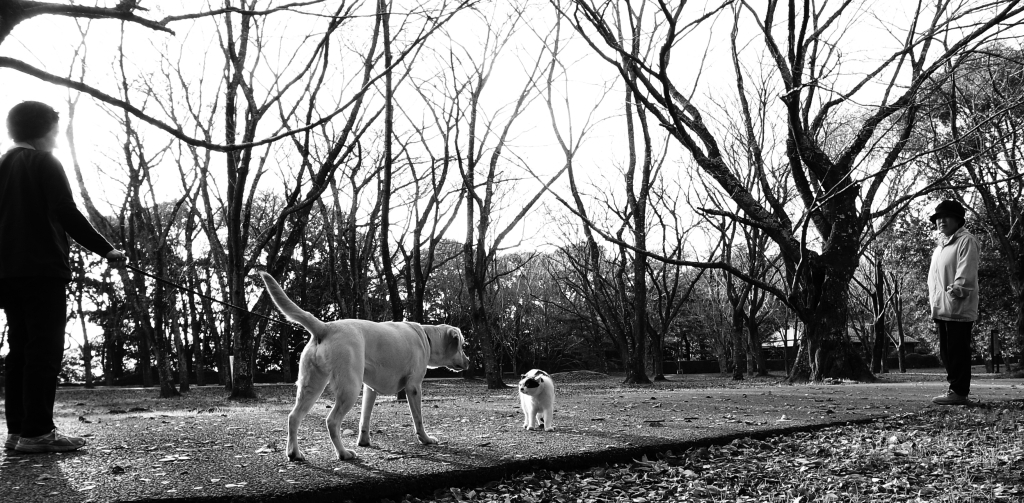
point(949, 208)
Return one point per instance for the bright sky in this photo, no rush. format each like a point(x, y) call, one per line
point(98, 135)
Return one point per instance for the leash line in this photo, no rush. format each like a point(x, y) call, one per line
point(202, 295)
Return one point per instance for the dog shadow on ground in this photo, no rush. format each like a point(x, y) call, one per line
point(378, 464)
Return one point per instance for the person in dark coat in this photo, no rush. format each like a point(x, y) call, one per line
point(37, 215)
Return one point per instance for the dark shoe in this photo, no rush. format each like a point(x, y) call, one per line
point(12, 440)
point(951, 398)
point(51, 442)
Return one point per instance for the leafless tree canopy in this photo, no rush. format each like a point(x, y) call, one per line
point(593, 184)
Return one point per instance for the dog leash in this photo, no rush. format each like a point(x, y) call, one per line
point(207, 297)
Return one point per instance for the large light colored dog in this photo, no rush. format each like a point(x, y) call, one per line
point(383, 357)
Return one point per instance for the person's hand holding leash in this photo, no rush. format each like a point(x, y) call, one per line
point(117, 259)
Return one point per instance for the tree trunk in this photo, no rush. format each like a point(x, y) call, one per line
point(159, 342)
point(658, 351)
point(482, 331)
point(242, 343)
point(243, 382)
point(801, 369)
point(113, 344)
point(198, 355)
point(636, 370)
point(163, 368)
point(901, 348)
point(182, 349)
point(148, 342)
point(1019, 324)
point(219, 337)
point(737, 343)
point(397, 309)
point(237, 166)
point(111, 357)
point(822, 302)
point(829, 351)
point(878, 346)
point(723, 363)
point(198, 352)
point(754, 350)
point(785, 341)
point(878, 350)
point(145, 363)
point(86, 346)
point(636, 373)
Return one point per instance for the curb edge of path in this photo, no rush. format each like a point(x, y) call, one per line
point(399, 486)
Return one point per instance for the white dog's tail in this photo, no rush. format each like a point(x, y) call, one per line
point(291, 311)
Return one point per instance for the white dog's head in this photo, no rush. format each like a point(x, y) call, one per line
point(446, 350)
point(532, 381)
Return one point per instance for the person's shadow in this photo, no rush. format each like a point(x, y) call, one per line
point(38, 477)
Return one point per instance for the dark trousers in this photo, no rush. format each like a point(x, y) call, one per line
point(36, 311)
point(955, 351)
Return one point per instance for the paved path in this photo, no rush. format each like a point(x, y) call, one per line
point(234, 451)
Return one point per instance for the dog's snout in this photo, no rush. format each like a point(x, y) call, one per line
point(460, 364)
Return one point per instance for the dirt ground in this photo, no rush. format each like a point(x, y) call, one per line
point(203, 447)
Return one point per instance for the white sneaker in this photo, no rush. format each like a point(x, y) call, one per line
point(51, 442)
point(951, 398)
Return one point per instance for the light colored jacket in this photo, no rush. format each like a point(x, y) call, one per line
point(953, 278)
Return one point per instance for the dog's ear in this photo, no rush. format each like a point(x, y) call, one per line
point(454, 340)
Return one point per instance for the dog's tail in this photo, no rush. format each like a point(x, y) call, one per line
point(291, 311)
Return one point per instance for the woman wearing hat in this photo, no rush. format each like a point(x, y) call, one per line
point(953, 291)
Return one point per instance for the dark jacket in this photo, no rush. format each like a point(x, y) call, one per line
point(37, 214)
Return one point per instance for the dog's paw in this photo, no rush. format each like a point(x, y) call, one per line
point(364, 439)
point(428, 440)
point(296, 457)
point(346, 455)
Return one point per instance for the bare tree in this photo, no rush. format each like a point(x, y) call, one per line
point(387, 173)
point(631, 331)
point(839, 191)
point(273, 239)
point(876, 305)
point(483, 170)
point(673, 284)
point(346, 144)
point(15, 12)
point(435, 197)
point(78, 266)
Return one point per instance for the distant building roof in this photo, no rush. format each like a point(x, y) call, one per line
point(792, 336)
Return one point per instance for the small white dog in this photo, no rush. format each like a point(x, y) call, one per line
point(537, 398)
point(383, 357)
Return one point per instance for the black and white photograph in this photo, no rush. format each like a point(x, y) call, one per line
point(373, 250)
